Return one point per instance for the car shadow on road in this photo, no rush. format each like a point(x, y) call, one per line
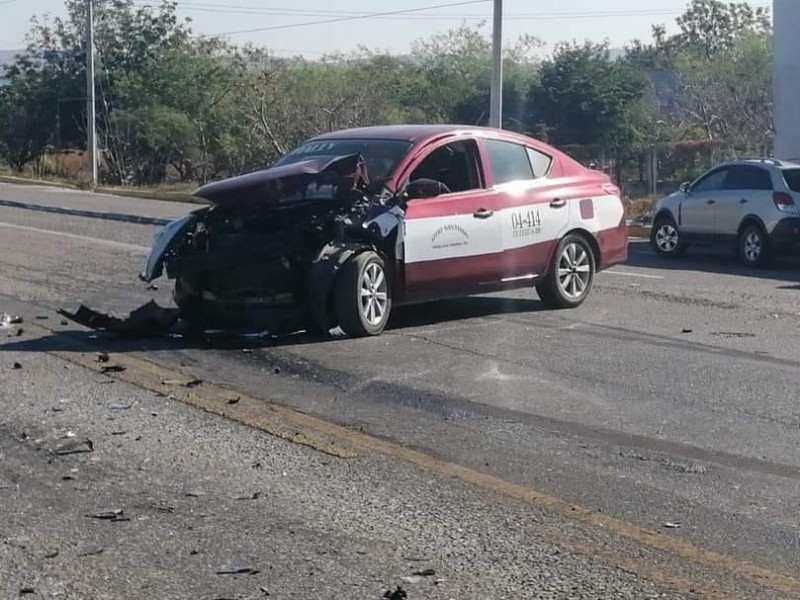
point(459, 309)
point(715, 261)
point(404, 317)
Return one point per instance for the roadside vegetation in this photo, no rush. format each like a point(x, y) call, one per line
point(178, 109)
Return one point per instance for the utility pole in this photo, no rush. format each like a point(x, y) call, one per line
point(91, 116)
point(496, 96)
point(786, 85)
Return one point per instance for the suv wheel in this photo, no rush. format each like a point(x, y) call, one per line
point(754, 248)
point(665, 237)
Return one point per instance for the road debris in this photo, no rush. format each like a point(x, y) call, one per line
point(91, 551)
point(120, 406)
point(42, 317)
point(424, 573)
point(253, 496)
point(398, 594)
point(673, 525)
point(189, 384)
point(103, 357)
point(234, 400)
point(51, 554)
point(111, 514)
point(732, 334)
point(146, 321)
point(112, 369)
point(74, 447)
point(193, 494)
point(686, 330)
point(238, 571)
point(26, 590)
point(16, 365)
point(7, 320)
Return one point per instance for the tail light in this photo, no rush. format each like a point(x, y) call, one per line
point(784, 202)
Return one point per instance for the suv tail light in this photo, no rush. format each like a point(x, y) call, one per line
point(784, 202)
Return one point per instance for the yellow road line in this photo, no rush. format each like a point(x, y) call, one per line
point(327, 437)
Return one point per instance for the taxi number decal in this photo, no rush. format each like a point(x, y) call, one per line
point(525, 223)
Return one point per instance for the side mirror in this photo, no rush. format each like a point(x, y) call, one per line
point(424, 188)
point(686, 187)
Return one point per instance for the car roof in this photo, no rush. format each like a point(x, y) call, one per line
point(773, 162)
point(417, 133)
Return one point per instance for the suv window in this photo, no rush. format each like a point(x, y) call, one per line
point(748, 178)
point(712, 182)
point(509, 161)
point(792, 177)
point(456, 165)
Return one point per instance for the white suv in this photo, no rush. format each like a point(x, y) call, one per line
point(749, 203)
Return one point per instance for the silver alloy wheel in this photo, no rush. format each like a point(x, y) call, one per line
point(374, 294)
point(667, 238)
point(752, 247)
point(574, 271)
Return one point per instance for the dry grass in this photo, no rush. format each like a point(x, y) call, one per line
point(640, 207)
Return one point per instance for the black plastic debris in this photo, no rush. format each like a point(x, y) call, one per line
point(112, 369)
point(398, 594)
point(238, 571)
point(26, 590)
point(424, 573)
point(253, 496)
point(103, 357)
point(112, 514)
point(74, 447)
point(42, 317)
point(16, 365)
point(146, 321)
point(234, 400)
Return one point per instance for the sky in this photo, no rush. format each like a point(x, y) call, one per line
point(618, 21)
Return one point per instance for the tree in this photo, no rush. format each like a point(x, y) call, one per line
point(711, 26)
point(583, 97)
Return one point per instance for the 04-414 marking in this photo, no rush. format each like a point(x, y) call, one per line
point(526, 222)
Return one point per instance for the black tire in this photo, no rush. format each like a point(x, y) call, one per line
point(352, 305)
point(191, 309)
point(753, 246)
point(563, 290)
point(665, 238)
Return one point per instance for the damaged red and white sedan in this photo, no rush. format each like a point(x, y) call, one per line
point(353, 223)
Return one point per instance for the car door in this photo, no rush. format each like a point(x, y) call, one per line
point(746, 189)
point(452, 243)
point(534, 211)
point(697, 211)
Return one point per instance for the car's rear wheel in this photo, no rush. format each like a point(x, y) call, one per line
point(666, 239)
point(754, 250)
point(571, 274)
point(363, 300)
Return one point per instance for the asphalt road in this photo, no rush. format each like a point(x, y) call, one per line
point(646, 444)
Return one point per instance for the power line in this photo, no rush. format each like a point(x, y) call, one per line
point(416, 16)
point(347, 18)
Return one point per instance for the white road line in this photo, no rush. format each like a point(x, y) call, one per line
point(82, 238)
point(627, 274)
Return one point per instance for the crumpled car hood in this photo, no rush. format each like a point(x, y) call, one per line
point(301, 180)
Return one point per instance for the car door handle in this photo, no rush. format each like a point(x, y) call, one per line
point(743, 201)
point(711, 202)
point(483, 213)
point(558, 203)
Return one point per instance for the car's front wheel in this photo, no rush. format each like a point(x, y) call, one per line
point(363, 299)
point(571, 274)
point(666, 239)
point(754, 249)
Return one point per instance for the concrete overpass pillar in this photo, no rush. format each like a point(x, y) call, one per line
point(786, 78)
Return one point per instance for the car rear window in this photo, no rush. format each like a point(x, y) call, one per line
point(792, 177)
point(509, 161)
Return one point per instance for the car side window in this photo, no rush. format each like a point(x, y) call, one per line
point(456, 166)
point(748, 178)
point(540, 162)
point(509, 161)
point(713, 182)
